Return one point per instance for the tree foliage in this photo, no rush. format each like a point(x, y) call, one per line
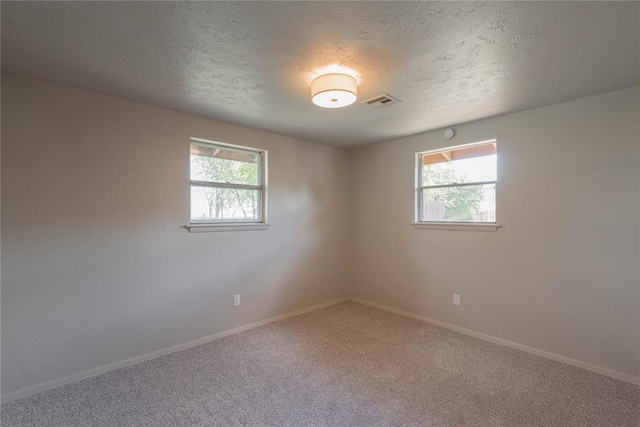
point(461, 203)
point(228, 202)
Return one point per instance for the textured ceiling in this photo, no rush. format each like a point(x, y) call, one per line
point(252, 63)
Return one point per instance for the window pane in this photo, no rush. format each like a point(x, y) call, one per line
point(476, 169)
point(216, 204)
point(213, 163)
point(475, 203)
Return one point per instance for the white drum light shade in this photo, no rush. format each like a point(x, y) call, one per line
point(334, 90)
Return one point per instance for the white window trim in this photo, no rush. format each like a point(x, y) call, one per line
point(238, 224)
point(457, 226)
point(212, 227)
point(448, 225)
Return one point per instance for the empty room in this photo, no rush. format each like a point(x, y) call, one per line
point(320, 213)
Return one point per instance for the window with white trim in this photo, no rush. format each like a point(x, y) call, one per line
point(227, 183)
point(457, 184)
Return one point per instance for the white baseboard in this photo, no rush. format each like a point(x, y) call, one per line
point(28, 391)
point(546, 354)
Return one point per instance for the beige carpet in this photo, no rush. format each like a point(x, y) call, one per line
point(346, 365)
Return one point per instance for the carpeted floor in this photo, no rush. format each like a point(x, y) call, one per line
point(346, 365)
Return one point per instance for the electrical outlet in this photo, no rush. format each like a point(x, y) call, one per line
point(456, 299)
point(236, 300)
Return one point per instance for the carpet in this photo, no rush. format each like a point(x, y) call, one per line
point(345, 365)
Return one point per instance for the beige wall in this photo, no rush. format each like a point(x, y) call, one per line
point(561, 275)
point(96, 267)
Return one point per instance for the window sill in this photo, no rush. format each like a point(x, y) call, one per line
point(456, 226)
point(208, 228)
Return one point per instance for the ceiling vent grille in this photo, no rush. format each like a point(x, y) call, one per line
point(383, 100)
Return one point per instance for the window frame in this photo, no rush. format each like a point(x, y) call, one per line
point(232, 224)
point(450, 225)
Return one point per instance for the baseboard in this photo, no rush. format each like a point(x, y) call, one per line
point(28, 391)
point(546, 354)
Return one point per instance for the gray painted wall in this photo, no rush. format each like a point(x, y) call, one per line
point(561, 275)
point(95, 265)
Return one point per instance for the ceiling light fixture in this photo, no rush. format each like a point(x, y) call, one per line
point(334, 90)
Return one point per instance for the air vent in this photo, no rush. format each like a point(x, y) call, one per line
point(383, 100)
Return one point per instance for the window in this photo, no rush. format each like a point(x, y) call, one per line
point(227, 184)
point(457, 185)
